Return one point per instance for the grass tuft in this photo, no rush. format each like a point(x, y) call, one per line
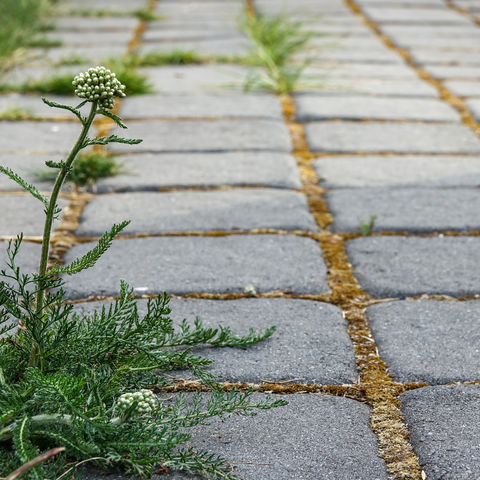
point(366, 229)
point(16, 114)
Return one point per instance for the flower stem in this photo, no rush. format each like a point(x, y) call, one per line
point(35, 354)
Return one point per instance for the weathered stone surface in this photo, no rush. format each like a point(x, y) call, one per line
point(104, 24)
point(435, 57)
point(433, 342)
point(55, 137)
point(197, 79)
point(406, 209)
point(28, 258)
point(23, 214)
point(206, 136)
point(92, 38)
point(32, 105)
point(23, 74)
point(151, 172)
point(87, 53)
point(354, 55)
point(311, 343)
point(219, 31)
point(198, 211)
point(420, 41)
point(329, 72)
point(464, 89)
point(439, 71)
point(410, 266)
point(215, 46)
point(181, 265)
point(474, 107)
point(391, 137)
point(231, 106)
point(393, 171)
point(444, 422)
point(286, 442)
point(310, 108)
point(25, 166)
point(445, 31)
point(416, 15)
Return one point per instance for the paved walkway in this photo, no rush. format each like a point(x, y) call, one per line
point(377, 355)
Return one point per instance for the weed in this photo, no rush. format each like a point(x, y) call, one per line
point(16, 114)
point(44, 42)
point(71, 59)
point(147, 15)
point(366, 229)
point(87, 169)
point(141, 14)
point(84, 381)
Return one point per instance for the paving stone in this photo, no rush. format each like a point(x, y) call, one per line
point(28, 258)
point(395, 171)
point(26, 166)
point(353, 55)
point(197, 79)
point(403, 3)
point(434, 57)
point(391, 137)
point(206, 136)
point(415, 15)
point(353, 107)
point(198, 211)
point(181, 265)
point(104, 24)
point(23, 74)
point(433, 342)
point(92, 38)
point(199, 8)
point(288, 441)
point(464, 89)
point(23, 214)
point(88, 54)
point(420, 41)
point(151, 172)
point(444, 31)
point(348, 42)
point(410, 266)
point(33, 105)
point(474, 107)
point(443, 422)
point(331, 71)
point(128, 5)
point(439, 71)
point(405, 209)
point(217, 46)
point(159, 35)
point(366, 86)
point(248, 105)
point(38, 136)
point(311, 343)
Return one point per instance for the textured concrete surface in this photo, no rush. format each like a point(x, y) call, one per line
point(408, 266)
point(444, 429)
point(405, 209)
point(391, 137)
point(434, 342)
point(311, 342)
point(207, 136)
point(182, 265)
point(198, 211)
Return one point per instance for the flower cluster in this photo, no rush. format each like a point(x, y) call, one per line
point(98, 84)
point(146, 401)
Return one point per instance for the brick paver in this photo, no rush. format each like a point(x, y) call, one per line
point(387, 123)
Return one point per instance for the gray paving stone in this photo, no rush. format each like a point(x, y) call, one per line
point(311, 343)
point(151, 172)
point(23, 214)
point(23, 74)
point(243, 209)
point(219, 30)
point(439, 71)
point(464, 89)
point(433, 342)
point(206, 136)
point(197, 79)
point(355, 107)
point(28, 258)
point(94, 38)
point(420, 41)
point(25, 166)
point(89, 54)
point(432, 30)
point(225, 106)
point(406, 209)
point(366, 86)
point(415, 15)
point(38, 136)
point(474, 107)
point(409, 266)
point(225, 9)
point(443, 422)
point(327, 72)
point(124, 5)
point(435, 57)
point(396, 171)
point(287, 440)
point(217, 46)
point(391, 137)
point(33, 105)
point(352, 55)
point(104, 24)
point(403, 3)
point(181, 265)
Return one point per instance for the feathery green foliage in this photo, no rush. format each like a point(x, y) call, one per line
point(76, 385)
point(275, 40)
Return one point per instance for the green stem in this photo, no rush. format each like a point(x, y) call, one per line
point(35, 355)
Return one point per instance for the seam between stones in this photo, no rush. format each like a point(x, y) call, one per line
point(140, 29)
point(464, 11)
point(445, 94)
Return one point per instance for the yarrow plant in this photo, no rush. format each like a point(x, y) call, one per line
point(77, 387)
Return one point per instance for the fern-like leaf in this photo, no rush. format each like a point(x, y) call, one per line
point(113, 117)
point(65, 107)
point(24, 448)
point(24, 184)
point(110, 139)
point(91, 257)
